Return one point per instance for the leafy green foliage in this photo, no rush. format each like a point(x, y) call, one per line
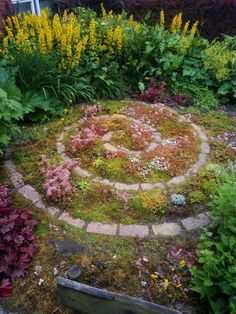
point(201, 97)
point(214, 279)
point(105, 79)
point(38, 72)
point(11, 111)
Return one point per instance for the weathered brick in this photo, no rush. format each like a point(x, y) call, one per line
point(97, 227)
point(140, 231)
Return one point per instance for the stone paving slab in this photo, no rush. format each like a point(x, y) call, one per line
point(205, 148)
point(30, 193)
point(198, 221)
point(10, 166)
point(107, 137)
point(40, 204)
point(60, 147)
point(140, 231)
point(110, 147)
point(82, 172)
point(166, 229)
point(127, 187)
point(17, 180)
point(176, 180)
point(53, 211)
point(79, 223)
point(97, 227)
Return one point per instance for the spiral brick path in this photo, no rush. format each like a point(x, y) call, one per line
point(144, 230)
point(141, 231)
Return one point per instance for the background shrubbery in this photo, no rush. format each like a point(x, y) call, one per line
point(53, 61)
point(216, 17)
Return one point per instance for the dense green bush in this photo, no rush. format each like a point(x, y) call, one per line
point(215, 278)
point(11, 111)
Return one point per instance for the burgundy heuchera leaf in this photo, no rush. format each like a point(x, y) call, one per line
point(17, 246)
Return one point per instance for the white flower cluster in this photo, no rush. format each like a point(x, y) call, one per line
point(134, 159)
point(158, 164)
point(169, 142)
point(144, 172)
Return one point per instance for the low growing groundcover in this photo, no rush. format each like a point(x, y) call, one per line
point(126, 179)
point(156, 269)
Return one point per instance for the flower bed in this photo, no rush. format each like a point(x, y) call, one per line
point(146, 143)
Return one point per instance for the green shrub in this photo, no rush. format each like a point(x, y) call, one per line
point(201, 97)
point(214, 278)
point(11, 112)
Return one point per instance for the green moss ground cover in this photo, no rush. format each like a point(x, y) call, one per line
point(100, 202)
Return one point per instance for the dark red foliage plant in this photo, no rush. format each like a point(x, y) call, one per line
point(17, 242)
point(156, 92)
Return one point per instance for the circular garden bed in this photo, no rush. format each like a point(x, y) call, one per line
point(121, 164)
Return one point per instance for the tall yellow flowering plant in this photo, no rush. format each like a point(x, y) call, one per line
point(60, 36)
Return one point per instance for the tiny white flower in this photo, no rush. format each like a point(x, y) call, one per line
point(143, 284)
point(55, 271)
point(40, 281)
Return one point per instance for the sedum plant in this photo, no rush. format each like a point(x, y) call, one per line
point(177, 199)
point(153, 201)
point(57, 179)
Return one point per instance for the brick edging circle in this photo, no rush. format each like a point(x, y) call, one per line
point(202, 157)
point(141, 231)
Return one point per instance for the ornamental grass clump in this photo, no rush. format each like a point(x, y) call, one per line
point(17, 245)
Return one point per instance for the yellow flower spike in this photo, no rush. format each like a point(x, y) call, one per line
point(9, 32)
point(179, 22)
point(182, 263)
point(76, 34)
point(78, 51)
point(194, 29)
point(57, 28)
point(162, 19)
point(103, 10)
point(16, 22)
point(110, 14)
point(5, 41)
point(20, 38)
point(179, 285)
point(138, 27)
point(42, 44)
point(65, 16)
point(185, 29)
point(154, 276)
point(92, 38)
point(49, 39)
point(117, 37)
point(63, 42)
point(8, 21)
point(131, 21)
point(173, 25)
